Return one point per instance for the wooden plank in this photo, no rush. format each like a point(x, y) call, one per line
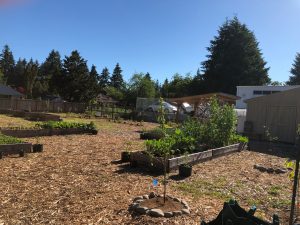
point(15, 148)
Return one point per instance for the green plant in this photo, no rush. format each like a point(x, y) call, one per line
point(67, 125)
point(163, 146)
point(9, 140)
point(220, 125)
point(268, 135)
point(156, 133)
point(235, 138)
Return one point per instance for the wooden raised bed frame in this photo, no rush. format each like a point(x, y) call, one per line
point(42, 132)
point(15, 148)
point(156, 163)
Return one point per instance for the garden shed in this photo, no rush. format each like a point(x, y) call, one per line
point(277, 114)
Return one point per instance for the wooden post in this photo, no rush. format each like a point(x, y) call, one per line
point(179, 104)
point(295, 186)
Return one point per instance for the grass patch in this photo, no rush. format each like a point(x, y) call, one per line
point(5, 140)
point(201, 187)
point(274, 190)
point(10, 121)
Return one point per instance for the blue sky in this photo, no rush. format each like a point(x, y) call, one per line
point(157, 36)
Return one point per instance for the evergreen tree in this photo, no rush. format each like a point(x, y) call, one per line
point(75, 79)
point(295, 71)
point(7, 63)
point(157, 89)
point(148, 76)
point(17, 79)
point(50, 75)
point(30, 74)
point(1, 77)
point(94, 88)
point(117, 78)
point(234, 59)
point(104, 79)
point(165, 89)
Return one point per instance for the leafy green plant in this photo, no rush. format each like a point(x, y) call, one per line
point(220, 125)
point(9, 140)
point(156, 133)
point(235, 138)
point(66, 125)
point(162, 147)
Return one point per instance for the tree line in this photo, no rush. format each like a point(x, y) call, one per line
point(233, 59)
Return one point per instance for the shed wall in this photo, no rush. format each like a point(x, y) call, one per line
point(279, 113)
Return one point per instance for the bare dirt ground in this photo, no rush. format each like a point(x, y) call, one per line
point(77, 181)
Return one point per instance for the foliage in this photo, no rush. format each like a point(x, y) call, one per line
point(9, 140)
point(295, 71)
point(140, 85)
point(51, 74)
point(76, 79)
point(221, 125)
point(156, 133)
point(104, 79)
point(7, 63)
point(30, 74)
point(66, 125)
point(116, 79)
point(234, 59)
point(115, 93)
point(217, 131)
point(235, 138)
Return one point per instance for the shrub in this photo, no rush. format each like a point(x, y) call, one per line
point(235, 138)
point(4, 140)
point(220, 126)
point(154, 134)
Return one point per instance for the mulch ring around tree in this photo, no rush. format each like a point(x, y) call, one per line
point(155, 206)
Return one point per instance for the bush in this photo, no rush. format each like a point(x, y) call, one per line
point(5, 140)
point(154, 134)
point(218, 131)
point(67, 125)
point(220, 126)
point(235, 138)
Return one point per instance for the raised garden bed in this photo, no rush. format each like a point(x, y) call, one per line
point(51, 128)
point(142, 159)
point(9, 149)
point(44, 132)
point(34, 116)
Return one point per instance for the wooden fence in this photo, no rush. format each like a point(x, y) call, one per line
point(41, 106)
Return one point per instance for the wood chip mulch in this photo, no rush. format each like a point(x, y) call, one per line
point(78, 180)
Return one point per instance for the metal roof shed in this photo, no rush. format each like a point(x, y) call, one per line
point(278, 113)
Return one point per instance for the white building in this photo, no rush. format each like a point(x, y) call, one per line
point(247, 92)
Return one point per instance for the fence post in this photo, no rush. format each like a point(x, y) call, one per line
point(296, 179)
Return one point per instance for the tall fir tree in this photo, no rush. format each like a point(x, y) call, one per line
point(148, 76)
point(234, 59)
point(295, 71)
point(17, 79)
point(157, 89)
point(7, 63)
point(116, 80)
point(165, 89)
point(30, 74)
point(104, 79)
point(94, 85)
point(75, 79)
point(51, 73)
